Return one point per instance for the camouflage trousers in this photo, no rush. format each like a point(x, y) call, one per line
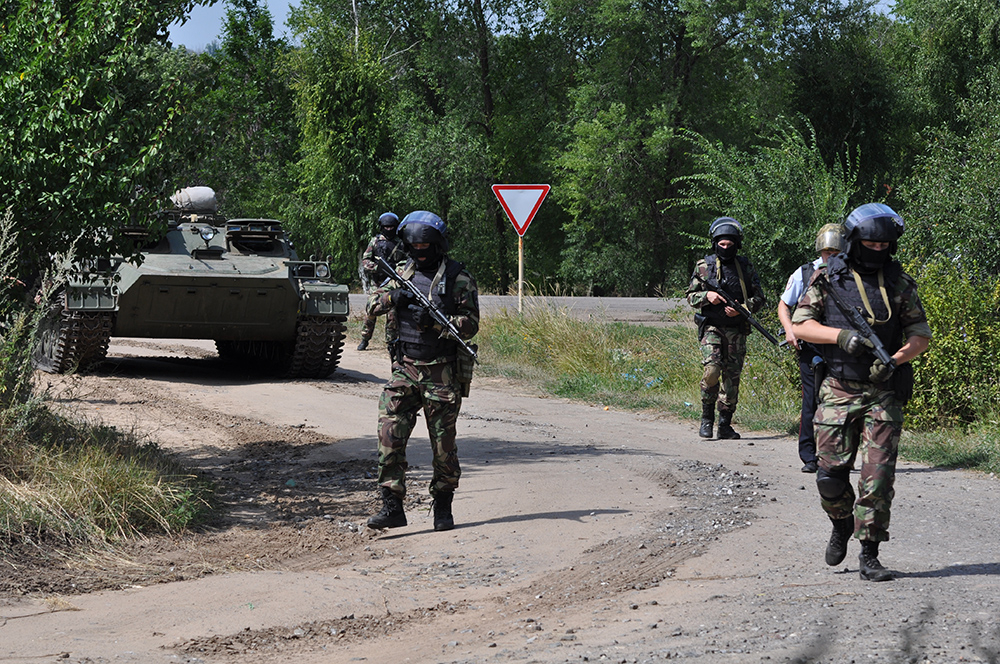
point(411, 388)
point(853, 419)
point(723, 350)
point(368, 330)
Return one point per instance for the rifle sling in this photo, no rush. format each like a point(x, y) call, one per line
point(739, 273)
point(864, 297)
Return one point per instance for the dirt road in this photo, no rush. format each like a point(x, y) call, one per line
point(583, 534)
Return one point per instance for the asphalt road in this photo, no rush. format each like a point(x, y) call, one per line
point(639, 310)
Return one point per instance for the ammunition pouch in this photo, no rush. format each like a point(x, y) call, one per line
point(902, 383)
point(701, 322)
point(464, 366)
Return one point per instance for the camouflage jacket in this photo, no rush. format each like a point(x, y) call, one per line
point(905, 301)
point(697, 292)
point(464, 292)
point(368, 264)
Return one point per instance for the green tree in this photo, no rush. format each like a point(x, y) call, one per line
point(952, 201)
point(848, 78)
point(953, 48)
point(645, 72)
point(464, 94)
point(251, 137)
point(339, 87)
point(85, 117)
point(781, 191)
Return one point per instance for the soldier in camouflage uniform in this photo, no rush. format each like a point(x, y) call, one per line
point(861, 399)
point(722, 330)
point(384, 245)
point(424, 369)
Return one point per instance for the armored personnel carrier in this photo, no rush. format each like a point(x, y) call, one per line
point(237, 281)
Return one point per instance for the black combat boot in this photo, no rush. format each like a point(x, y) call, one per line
point(871, 568)
point(726, 427)
point(836, 550)
point(391, 515)
point(442, 510)
point(707, 420)
point(363, 345)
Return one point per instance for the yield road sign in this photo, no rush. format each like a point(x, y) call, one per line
point(520, 202)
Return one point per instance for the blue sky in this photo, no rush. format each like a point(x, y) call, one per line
point(205, 24)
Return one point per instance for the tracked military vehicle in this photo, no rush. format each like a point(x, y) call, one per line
point(237, 281)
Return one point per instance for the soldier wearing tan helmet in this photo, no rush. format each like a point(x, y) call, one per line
point(829, 242)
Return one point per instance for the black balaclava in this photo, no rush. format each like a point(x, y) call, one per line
point(867, 260)
point(726, 255)
point(431, 232)
point(427, 259)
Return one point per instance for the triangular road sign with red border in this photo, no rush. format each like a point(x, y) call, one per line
point(520, 202)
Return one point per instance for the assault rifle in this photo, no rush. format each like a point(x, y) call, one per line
point(859, 324)
point(731, 302)
point(439, 317)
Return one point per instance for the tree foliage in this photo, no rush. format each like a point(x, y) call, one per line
point(246, 117)
point(84, 118)
point(781, 191)
point(340, 102)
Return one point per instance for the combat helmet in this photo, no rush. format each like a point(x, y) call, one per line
point(422, 227)
point(876, 222)
point(830, 238)
point(726, 228)
point(388, 222)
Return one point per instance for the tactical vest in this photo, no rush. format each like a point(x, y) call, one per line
point(428, 345)
point(807, 273)
point(729, 281)
point(384, 247)
point(886, 325)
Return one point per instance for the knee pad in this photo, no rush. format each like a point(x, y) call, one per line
point(712, 374)
point(832, 483)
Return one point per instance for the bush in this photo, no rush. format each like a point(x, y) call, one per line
point(65, 481)
point(957, 377)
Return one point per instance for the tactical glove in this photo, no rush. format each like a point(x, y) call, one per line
point(423, 318)
point(881, 372)
point(853, 343)
point(399, 297)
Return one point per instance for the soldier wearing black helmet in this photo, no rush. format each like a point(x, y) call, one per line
point(829, 242)
point(860, 413)
point(385, 245)
point(425, 368)
point(722, 330)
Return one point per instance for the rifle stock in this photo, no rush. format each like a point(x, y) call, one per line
point(731, 302)
point(439, 316)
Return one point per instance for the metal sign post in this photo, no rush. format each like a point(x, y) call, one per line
point(520, 202)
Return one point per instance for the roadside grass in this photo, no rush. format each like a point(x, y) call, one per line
point(70, 482)
point(631, 366)
point(646, 368)
point(79, 484)
point(977, 448)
